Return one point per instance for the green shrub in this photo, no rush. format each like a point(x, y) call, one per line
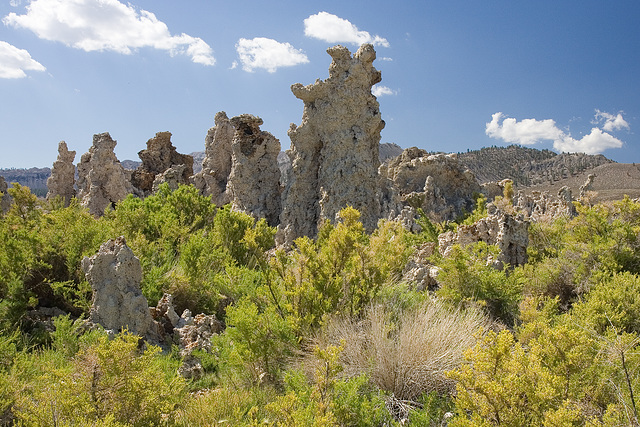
point(467, 276)
point(107, 379)
point(260, 339)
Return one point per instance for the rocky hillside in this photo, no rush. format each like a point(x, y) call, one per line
point(527, 166)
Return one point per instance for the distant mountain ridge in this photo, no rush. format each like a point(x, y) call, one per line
point(527, 166)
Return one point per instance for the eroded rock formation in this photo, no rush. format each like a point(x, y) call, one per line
point(419, 271)
point(190, 333)
point(102, 181)
point(216, 166)
point(254, 181)
point(159, 156)
point(114, 274)
point(436, 183)
point(5, 199)
point(62, 180)
point(587, 186)
point(174, 177)
point(541, 206)
point(509, 232)
point(334, 152)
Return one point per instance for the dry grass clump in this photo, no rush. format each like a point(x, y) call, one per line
point(410, 356)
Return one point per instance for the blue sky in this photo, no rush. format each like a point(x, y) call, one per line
point(456, 75)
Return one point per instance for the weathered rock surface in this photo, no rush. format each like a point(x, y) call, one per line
point(509, 232)
point(216, 166)
point(174, 177)
point(254, 181)
point(541, 206)
point(436, 183)
point(5, 199)
point(190, 333)
point(587, 186)
point(114, 274)
point(419, 271)
point(335, 150)
point(159, 156)
point(102, 181)
point(62, 180)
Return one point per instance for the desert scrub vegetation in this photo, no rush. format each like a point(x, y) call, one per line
point(327, 333)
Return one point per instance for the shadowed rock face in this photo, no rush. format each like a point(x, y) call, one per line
point(102, 181)
point(254, 181)
point(62, 179)
point(334, 151)
point(114, 274)
point(216, 166)
point(159, 156)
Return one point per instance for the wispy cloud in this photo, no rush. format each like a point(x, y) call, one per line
point(379, 90)
point(333, 29)
point(14, 62)
point(268, 54)
point(611, 122)
point(532, 131)
point(98, 25)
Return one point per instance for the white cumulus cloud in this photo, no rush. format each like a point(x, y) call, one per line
point(525, 132)
point(532, 131)
point(611, 122)
point(594, 143)
point(14, 62)
point(269, 54)
point(333, 29)
point(379, 90)
point(97, 25)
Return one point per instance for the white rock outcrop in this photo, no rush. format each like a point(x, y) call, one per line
point(114, 274)
point(62, 180)
point(510, 233)
point(174, 177)
point(254, 181)
point(102, 181)
point(419, 271)
point(216, 166)
point(541, 206)
point(335, 150)
point(436, 183)
point(189, 333)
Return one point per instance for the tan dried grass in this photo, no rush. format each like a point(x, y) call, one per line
point(408, 357)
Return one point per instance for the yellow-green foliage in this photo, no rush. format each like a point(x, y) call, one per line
point(570, 357)
point(106, 379)
point(468, 276)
